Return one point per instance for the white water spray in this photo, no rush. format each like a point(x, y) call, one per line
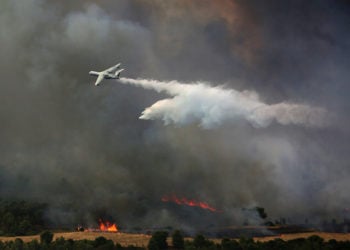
point(209, 106)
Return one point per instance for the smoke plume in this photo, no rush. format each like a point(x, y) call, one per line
point(211, 106)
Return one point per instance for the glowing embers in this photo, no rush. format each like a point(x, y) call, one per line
point(187, 202)
point(107, 226)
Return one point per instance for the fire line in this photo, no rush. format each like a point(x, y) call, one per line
point(187, 202)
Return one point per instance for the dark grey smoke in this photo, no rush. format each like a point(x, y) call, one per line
point(83, 149)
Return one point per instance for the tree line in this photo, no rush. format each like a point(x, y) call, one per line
point(160, 239)
point(159, 242)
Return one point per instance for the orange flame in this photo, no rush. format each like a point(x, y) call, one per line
point(107, 226)
point(191, 203)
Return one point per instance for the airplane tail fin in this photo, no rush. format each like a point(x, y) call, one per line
point(117, 73)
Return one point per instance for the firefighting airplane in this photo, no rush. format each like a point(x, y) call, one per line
point(107, 74)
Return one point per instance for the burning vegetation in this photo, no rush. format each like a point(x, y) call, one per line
point(107, 226)
point(103, 226)
point(187, 202)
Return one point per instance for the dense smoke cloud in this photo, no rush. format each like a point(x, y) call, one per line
point(83, 150)
point(211, 106)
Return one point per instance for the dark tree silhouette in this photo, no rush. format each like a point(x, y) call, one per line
point(158, 241)
point(178, 240)
point(46, 237)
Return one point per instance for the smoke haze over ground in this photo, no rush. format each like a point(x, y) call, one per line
point(83, 150)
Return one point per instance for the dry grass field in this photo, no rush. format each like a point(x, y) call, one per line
point(122, 238)
point(126, 239)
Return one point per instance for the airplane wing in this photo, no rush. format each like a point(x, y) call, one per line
point(111, 69)
point(99, 79)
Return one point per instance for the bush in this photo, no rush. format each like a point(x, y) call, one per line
point(46, 237)
point(18, 244)
point(200, 242)
point(33, 245)
point(158, 241)
point(227, 244)
point(178, 240)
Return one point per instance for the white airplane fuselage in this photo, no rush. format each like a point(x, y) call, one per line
point(107, 74)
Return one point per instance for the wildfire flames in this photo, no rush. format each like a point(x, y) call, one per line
point(191, 203)
point(107, 226)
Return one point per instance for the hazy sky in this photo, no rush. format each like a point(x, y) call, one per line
point(84, 150)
